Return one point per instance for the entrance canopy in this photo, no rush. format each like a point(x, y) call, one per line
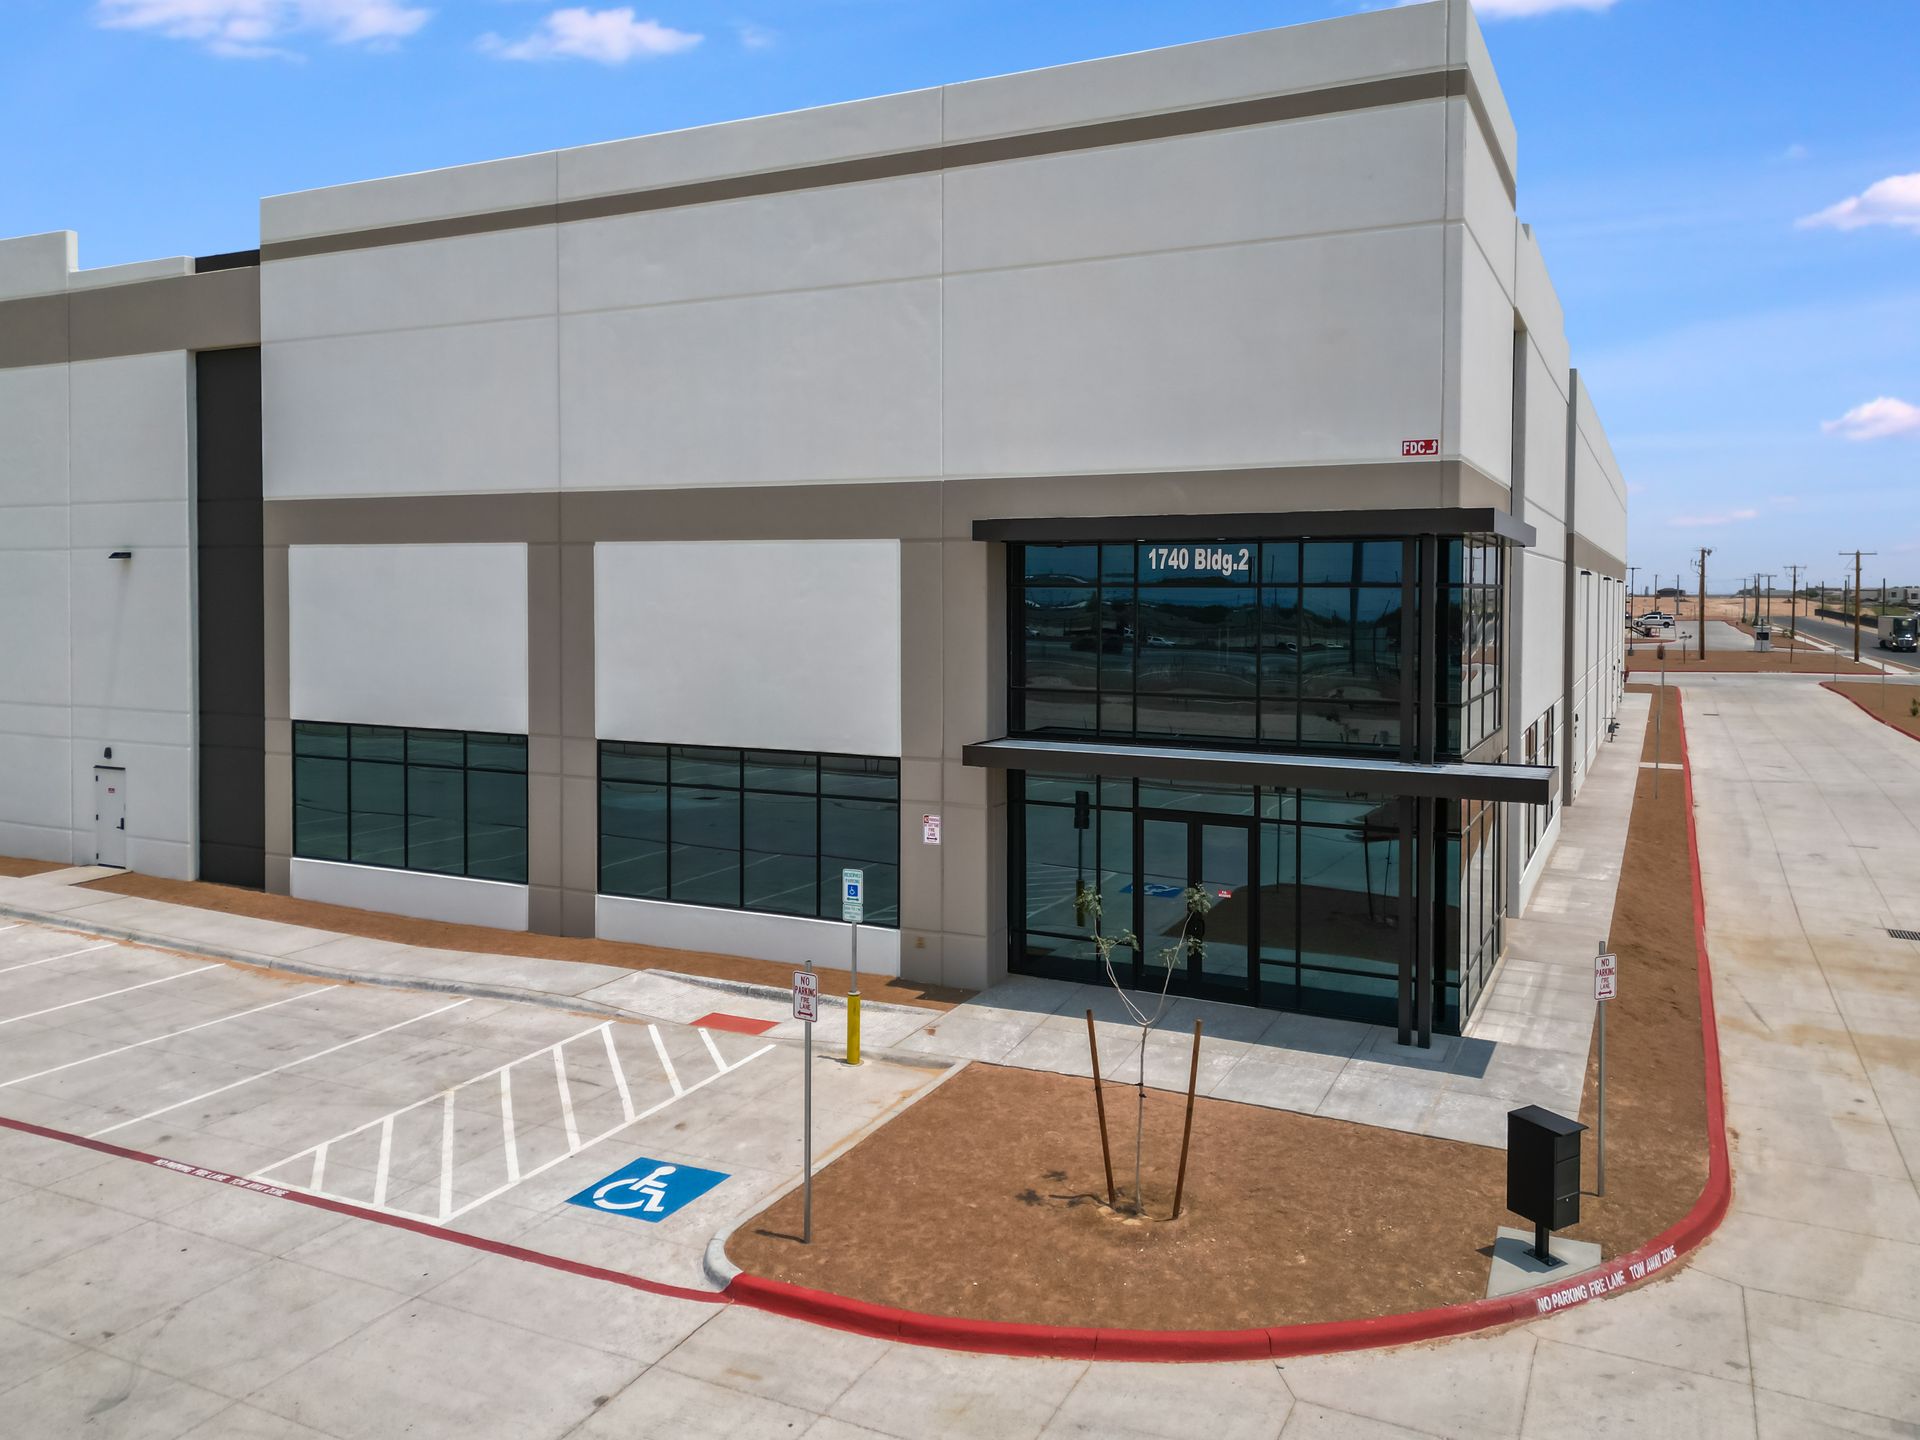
point(1446, 780)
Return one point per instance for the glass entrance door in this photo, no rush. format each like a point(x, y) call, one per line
point(1179, 852)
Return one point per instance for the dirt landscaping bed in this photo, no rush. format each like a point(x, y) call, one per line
point(14, 869)
point(987, 1199)
point(1891, 702)
point(1683, 660)
point(435, 934)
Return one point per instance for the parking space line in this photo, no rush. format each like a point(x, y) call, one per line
point(316, 1055)
point(506, 1123)
point(506, 1107)
point(566, 1099)
point(449, 1217)
point(385, 1161)
point(446, 1154)
point(666, 1062)
point(713, 1049)
point(619, 1075)
point(108, 995)
point(84, 950)
point(188, 1030)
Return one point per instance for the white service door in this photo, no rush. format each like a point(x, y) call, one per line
point(110, 816)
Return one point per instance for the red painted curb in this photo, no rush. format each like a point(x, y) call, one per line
point(1829, 685)
point(862, 1317)
point(379, 1217)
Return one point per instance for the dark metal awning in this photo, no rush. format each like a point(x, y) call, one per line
point(1312, 524)
point(1447, 780)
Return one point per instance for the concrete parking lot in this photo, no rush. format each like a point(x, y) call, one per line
point(145, 1303)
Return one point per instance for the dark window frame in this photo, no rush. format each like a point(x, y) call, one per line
point(405, 764)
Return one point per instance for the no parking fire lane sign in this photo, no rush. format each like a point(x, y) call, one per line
point(649, 1190)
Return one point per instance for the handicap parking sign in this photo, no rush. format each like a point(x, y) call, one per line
point(647, 1189)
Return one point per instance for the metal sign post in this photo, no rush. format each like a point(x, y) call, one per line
point(1606, 976)
point(806, 1007)
point(853, 909)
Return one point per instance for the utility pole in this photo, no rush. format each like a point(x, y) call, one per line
point(1857, 556)
point(1766, 577)
point(1702, 563)
point(1793, 612)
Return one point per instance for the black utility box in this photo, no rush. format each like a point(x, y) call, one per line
point(1543, 1170)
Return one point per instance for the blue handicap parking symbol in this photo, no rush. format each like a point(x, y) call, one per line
point(649, 1189)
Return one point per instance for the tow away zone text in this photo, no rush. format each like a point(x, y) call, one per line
point(1604, 1284)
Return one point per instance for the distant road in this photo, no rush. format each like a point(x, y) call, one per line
point(1838, 632)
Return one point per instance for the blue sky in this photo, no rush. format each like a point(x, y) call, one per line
point(1671, 153)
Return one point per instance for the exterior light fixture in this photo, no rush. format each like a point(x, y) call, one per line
point(121, 555)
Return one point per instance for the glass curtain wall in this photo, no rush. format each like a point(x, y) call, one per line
point(1304, 887)
point(1279, 643)
point(1470, 708)
point(766, 830)
point(451, 802)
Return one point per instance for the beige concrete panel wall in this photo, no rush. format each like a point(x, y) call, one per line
point(38, 264)
point(1479, 426)
point(1545, 440)
point(1539, 305)
point(1481, 199)
point(511, 184)
point(1193, 190)
point(922, 782)
point(1241, 67)
point(1204, 358)
point(973, 883)
point(824, 135)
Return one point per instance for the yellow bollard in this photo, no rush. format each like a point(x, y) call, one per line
point(853, 1027)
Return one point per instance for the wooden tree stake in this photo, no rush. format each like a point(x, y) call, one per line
point(1186, 1135)
point(1100, 1103)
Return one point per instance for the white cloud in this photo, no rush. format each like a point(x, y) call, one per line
point(1876, 420)
point(254, 29)
point(1700, 522)
point(754, 37)
point(1795, 152)
point(1893, 201)
point(612, 37)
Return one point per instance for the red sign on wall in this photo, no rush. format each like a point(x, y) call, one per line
point(1419, 447)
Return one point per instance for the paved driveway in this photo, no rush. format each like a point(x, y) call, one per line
point(143, 1303)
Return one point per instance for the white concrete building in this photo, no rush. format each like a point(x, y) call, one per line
point(1158, 475)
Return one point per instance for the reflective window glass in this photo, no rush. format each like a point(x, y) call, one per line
point(1062, 639)
point(497, 826)
point(379, 822)
point(311, 738)
point(781, 770)
point(379, 742)
point(705, 864)
point(436, 820)
point(633, 840)
point(497, 752)
point(622, 761)
point(780, 839)
point(1052, 564)
point(704, 765)
point(320, 806)
point(436, 747)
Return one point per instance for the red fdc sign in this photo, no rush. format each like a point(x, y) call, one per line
point(1419, 447)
